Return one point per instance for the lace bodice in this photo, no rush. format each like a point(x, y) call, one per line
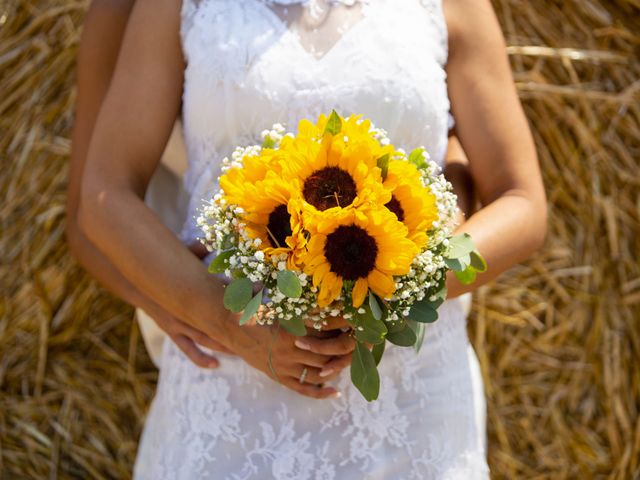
point(251, 63)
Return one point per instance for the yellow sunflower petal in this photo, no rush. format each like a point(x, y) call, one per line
point(360, 290)
point(381, 284)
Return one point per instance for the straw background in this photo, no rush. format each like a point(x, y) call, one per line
point(558, 337)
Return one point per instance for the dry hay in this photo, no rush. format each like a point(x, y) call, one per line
point(558, 337)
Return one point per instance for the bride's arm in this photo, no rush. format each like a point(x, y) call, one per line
point(132, 129)
point(494, 133)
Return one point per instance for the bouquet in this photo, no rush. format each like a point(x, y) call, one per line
point(337, 221)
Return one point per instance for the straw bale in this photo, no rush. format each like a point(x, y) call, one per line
point(558, 336)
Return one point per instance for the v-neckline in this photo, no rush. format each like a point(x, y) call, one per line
point(296, 39)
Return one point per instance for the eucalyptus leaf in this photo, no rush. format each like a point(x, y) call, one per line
point(423, 312)
point(374, 305)
point(334, 124)
point(383, 163)
point(455, 264)
point(467, 276)
point(252, 308)
point(364, 373)
point(289, 284)
point(403, 338)
point(459, 245)
point(369, 329)
point(377, 352)
point(478, 262)
point(441, 294)
point(295, 326)
point(395, 326)
point(237, 294)
point(419, 329)
point(221, 262)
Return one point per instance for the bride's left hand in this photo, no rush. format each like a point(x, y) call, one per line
point(332, 327)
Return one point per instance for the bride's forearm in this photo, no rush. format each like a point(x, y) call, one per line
point(505, 232)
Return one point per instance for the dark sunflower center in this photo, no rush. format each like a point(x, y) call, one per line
point(279, 226)
point(329, 187)
point(351, 252)
point(395, 207)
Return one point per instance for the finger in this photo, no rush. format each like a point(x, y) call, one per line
point(199, 337)
point(191, 350)
point(308, 359)
point(311, 391)
point(335, 366)
point(198, 249)
point(335, 323)
point(311, 377)
point(340, 345)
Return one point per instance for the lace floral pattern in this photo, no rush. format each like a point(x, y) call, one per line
point(235, 423)
point(245, 72)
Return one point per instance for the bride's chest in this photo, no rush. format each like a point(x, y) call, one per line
point(388, 64)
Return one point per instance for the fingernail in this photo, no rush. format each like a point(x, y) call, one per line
point(302, 346)
point(336, 395)
point(213, 364)
point(326, 373)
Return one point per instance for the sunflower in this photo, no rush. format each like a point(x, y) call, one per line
point(273, 214)
point(412, 203)
point(364, 246)
point(334, 171)
point(239, 182)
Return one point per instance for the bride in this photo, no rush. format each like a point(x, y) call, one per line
point(232, 67)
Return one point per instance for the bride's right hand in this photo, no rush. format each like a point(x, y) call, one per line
point(283, 357)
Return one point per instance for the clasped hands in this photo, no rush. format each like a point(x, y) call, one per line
point(302, 364)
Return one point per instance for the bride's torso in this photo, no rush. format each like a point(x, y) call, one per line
point(245, 71)
point(251, 63)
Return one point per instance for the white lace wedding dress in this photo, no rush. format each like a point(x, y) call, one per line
point(251, 63)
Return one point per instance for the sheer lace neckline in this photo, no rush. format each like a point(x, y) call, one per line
point(317, 26)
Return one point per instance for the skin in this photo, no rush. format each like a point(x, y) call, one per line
point(139, 111)
point(101, 40)
point(493, 131)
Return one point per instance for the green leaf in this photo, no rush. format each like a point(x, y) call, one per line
point(221, 262)
point(416, 157)
point(455, 264)
point(368, 329)
point(364, 373)
point(268, 143)
point(237, 295)
point(419, 329)
point(377, 352)
point(289, 284)
point(442, 293)
point(295, 326)
point(252, 308)
point(395, 326)
point(478, 262)
point(374, 305)
point(467, 276)
point(459, 246)
point(383, 163)
point(334, 124)
point(423, 312)
point(404, 338)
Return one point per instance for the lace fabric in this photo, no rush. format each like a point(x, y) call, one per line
point(251, 63)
